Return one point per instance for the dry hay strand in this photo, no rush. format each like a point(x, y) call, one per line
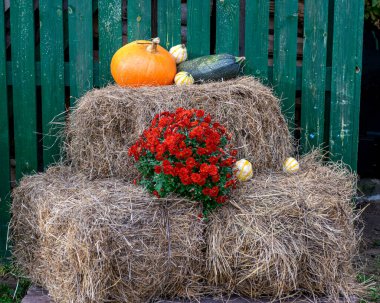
point(106, 122)
point(288, 234)
point(105, 240)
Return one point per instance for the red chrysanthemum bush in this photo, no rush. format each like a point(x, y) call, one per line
point(186, 153)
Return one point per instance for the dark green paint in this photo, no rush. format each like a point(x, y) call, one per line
point(285, 55)
point(52, 75)
point(5, 181)
point(24, 87)
point(256, 38)
point(110, 36)
point(345, 89)
point(314, 74)
point(81, 47)
point(139, 20)
point(227, 26)
point(169, 22)
point(198, 28)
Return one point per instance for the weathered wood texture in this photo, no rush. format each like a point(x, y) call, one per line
point(81, 47)
point(169, 22)
point(110, 36)
point(345, 89)
point(5, 173)
point(198, 28)
point(227, 26)
point(256, 38)
point(139, 19)
point(285, 55)
point(52, 75)
point(314, 74)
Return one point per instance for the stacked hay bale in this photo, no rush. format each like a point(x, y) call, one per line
point(105, 240)
point(106, 122)
point(287, 234)
point(88, 235)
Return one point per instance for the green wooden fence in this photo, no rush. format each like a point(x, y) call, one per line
point(41, 74)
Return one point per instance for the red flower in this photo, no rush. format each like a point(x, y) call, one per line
point(230, 183)
point(166, 163)
point(214, 191)
point(227, 162)
point(198, 179)
point(179, 165)
point(202, 151)
point(212, 170)
point(160, 149)
point(206, 191)
point(197, 132)
point(204, 168)
point(207, 119)
point(164, 121)
point(221, 199)
point(200, 113)
point(190, 162)
point(187, 143)
point(215, 178)
point(213, 160)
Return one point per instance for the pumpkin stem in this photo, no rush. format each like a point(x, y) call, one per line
point(153, 47)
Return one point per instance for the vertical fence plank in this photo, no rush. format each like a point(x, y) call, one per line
point(24, 86)
point(285, 55)
point(5, 181)
point(346, 62)
point(314, 74)
point(169, 22)
point(256, 38)
point(52, 74)
point(198, 28)
point(139, 19)
point(227, 26)
point(110, 36)
point(358, 78)
point(81, 47)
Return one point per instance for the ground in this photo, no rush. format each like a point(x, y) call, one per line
point(369, 261)
point(370, 248)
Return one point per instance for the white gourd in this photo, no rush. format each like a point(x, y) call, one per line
point(179, 52)
point(183, 78)
point(243, 170)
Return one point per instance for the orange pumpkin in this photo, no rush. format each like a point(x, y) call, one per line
point(142, 63)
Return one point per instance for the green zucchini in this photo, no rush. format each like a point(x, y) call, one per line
point(212, 67)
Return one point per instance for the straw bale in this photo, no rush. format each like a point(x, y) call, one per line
point(106, 122)
point(285, 234)
point(105, 240)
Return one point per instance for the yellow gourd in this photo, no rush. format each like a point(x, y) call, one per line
point(243, 170)
point(183, 78)
point(290, 165)
point(179, 52)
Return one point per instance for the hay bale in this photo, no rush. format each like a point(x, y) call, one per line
point(105, 240)
point(105, 122)
point(284, 234)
